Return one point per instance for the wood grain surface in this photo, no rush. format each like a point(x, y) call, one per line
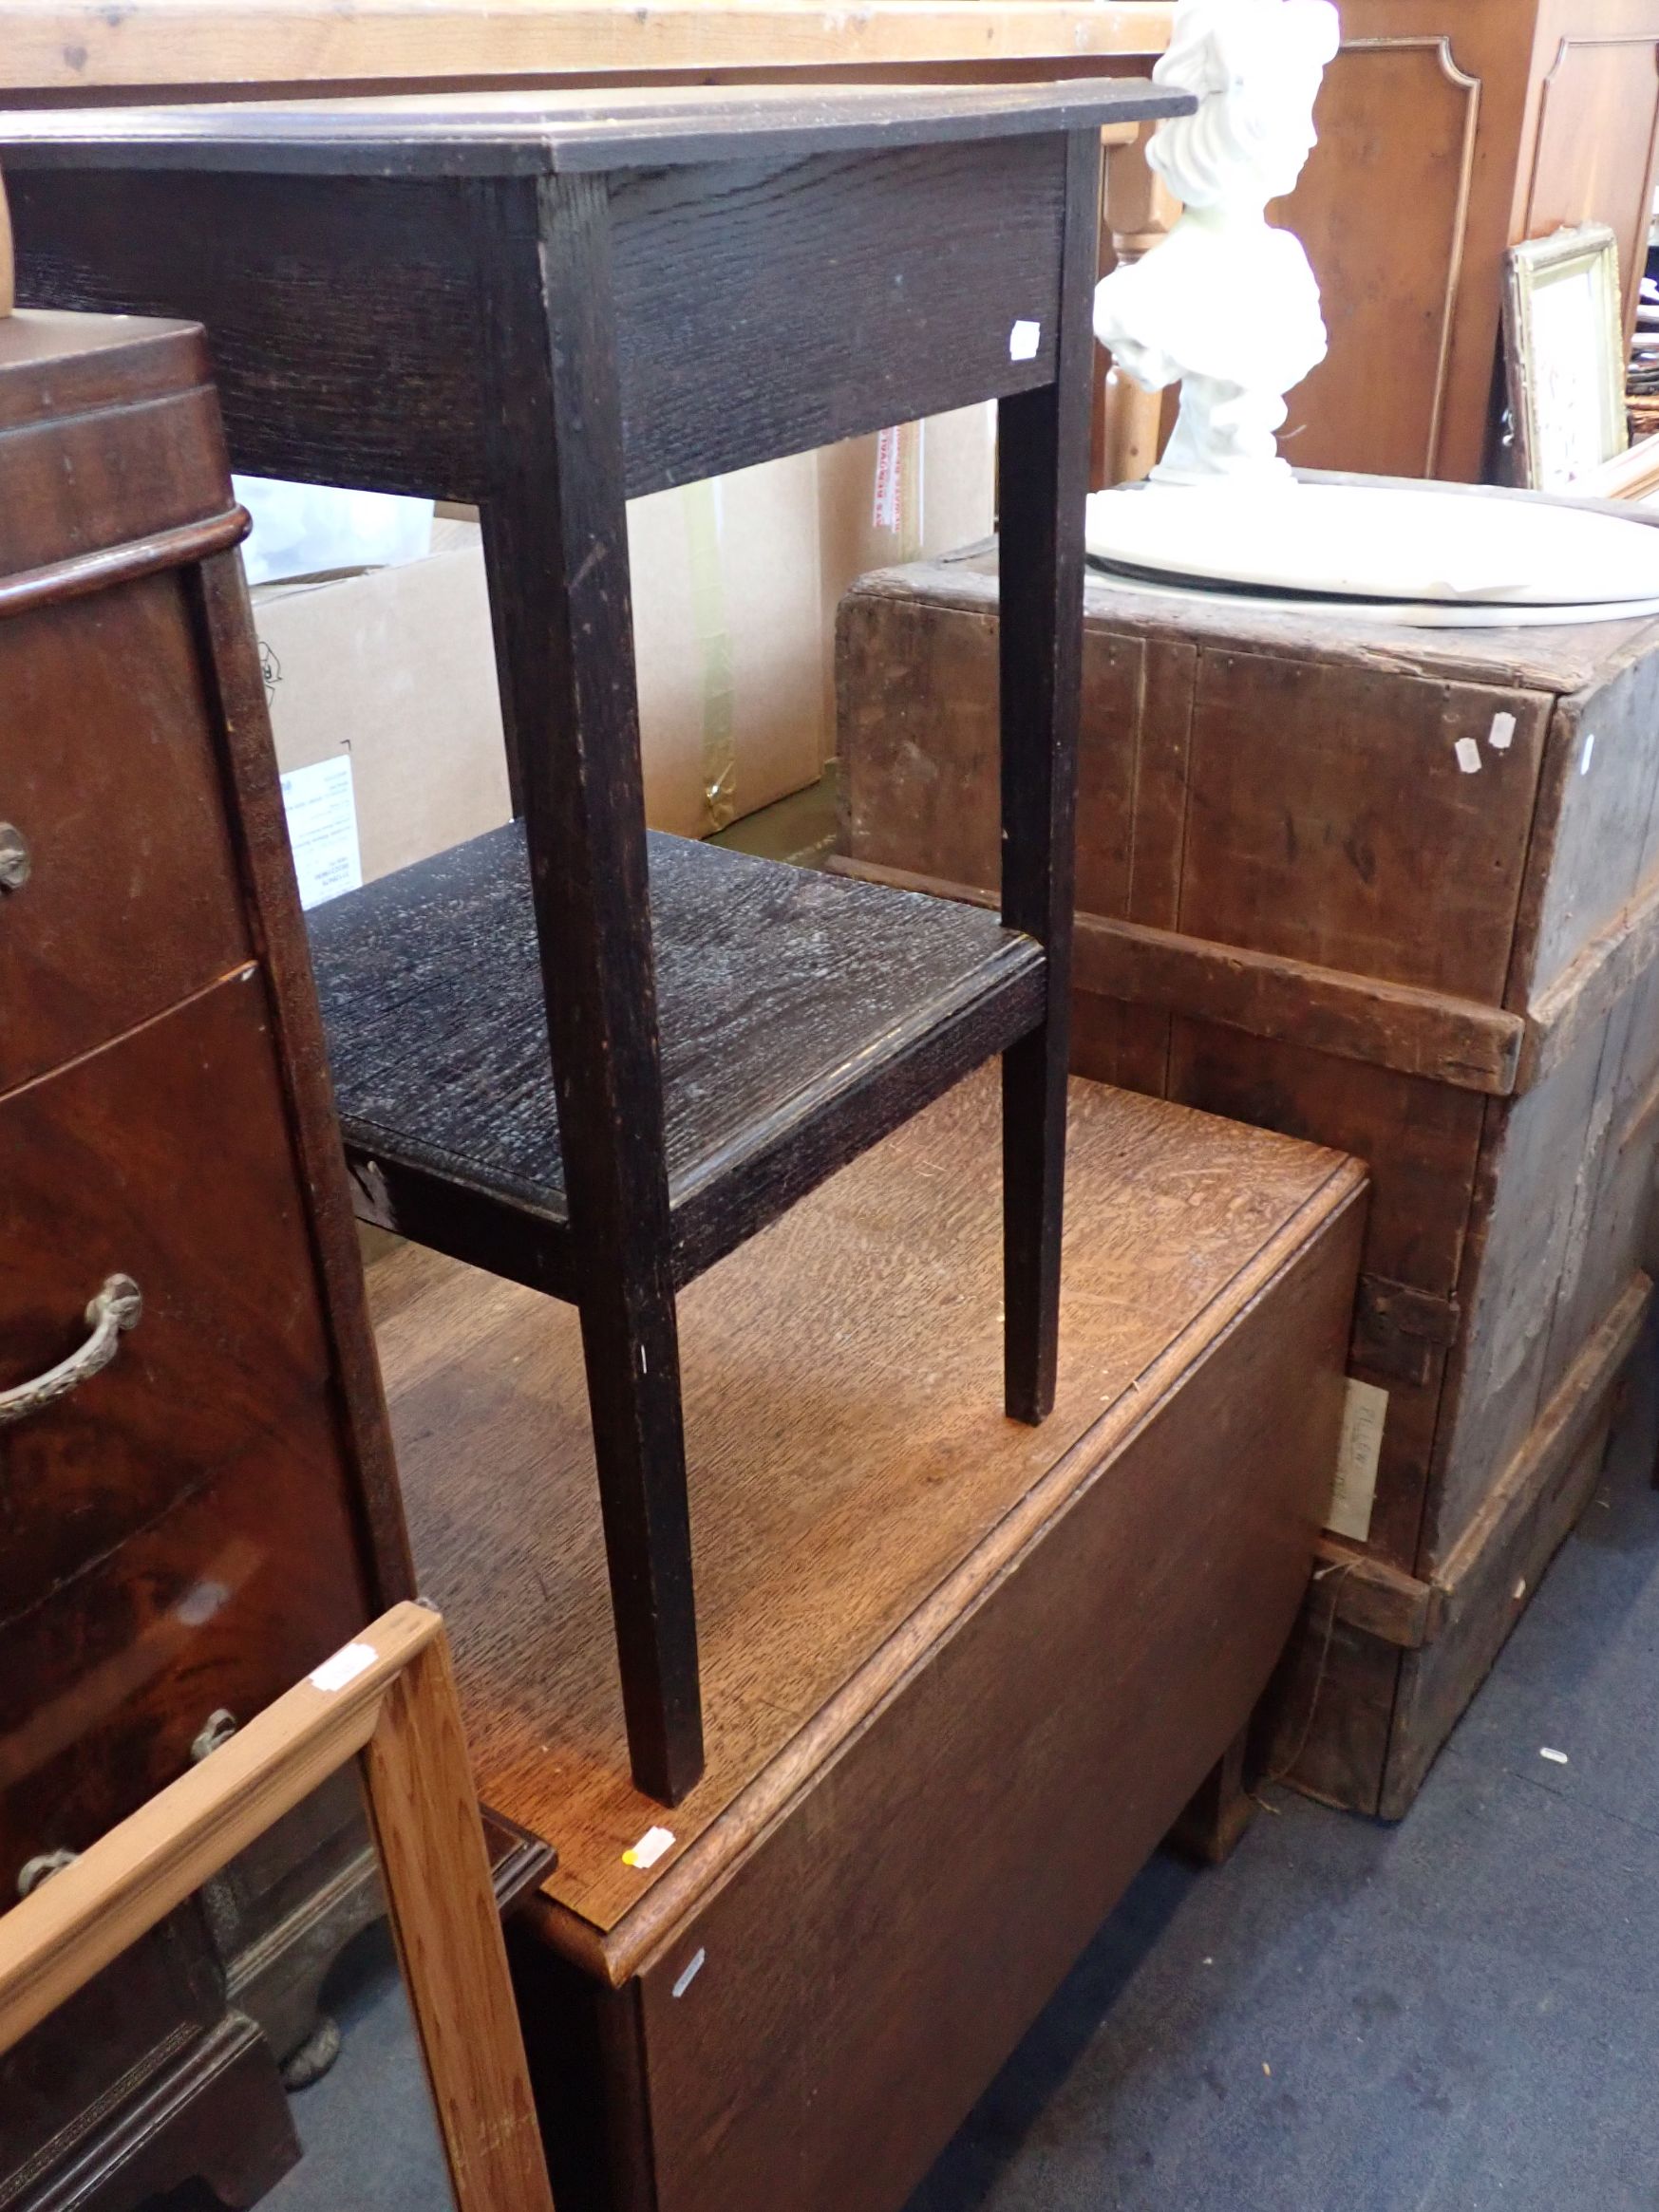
point(572, 133)
point(812, 296)
point(132, 901)
point(107, 1173)
point(74, 47)
point(871, 1963)
point(776, 990)
point(846, 1456)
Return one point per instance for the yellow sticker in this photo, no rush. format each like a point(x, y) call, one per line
point(649, 1849)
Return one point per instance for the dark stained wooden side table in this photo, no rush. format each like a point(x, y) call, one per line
point(551, 307)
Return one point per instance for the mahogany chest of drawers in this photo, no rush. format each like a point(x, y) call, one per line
point(197, 1501)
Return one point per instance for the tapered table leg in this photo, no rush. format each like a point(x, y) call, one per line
point(558, 549)
point(1042, 484)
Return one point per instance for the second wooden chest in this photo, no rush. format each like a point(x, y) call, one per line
point(1393, 889)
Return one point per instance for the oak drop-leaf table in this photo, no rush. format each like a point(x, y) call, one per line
point(551, 305)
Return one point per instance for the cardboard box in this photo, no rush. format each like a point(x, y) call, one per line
point(392, 671)
point(904, 495)
point(732, 648)
point(389, 674)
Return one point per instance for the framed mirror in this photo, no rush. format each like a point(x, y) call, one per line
point(429, 2105)
point(1563, 325)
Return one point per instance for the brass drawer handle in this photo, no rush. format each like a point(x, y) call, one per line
point(118, 1306)
point(42, 1869)
point(15, 859)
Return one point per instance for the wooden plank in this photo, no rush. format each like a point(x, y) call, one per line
point(1495, 1568)
point(1592, 843)
point(1419, 1138)
point(430, 1843)
point(1540, 1168)
point(847, 1449)
point(1392, 1026)
point(1327, 1719)
point(1585, 990)
point(1558, 1434)
point(76, 45)
point(1381, 1599)
point(1452, 1626)
point(1393, 1323)
point(1550, 663)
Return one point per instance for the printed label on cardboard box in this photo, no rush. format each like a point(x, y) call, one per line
point(322, 829)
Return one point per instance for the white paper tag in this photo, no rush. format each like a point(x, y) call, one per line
point(1584, 757)
point(1357, 1457)
point(1468, 755)
point(1502, 733)
point(322, 829)
point(689, 1976)
point(1024, 340)
point(347, 1664)
point(649, 1849)
point(884, 515)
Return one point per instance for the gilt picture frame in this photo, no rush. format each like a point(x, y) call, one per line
point(1564, 346)
point(386, 1700)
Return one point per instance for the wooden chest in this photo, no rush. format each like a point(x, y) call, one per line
point(200, 1518)
point(1396, 890)
point(966, 1673)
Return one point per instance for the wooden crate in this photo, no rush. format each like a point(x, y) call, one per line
point(964, 1674)
point(1397, 891)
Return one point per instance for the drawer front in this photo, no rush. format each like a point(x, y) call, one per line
point(165, 1158)
point(121, 2028)
point(222, 1604)
point(109, 783)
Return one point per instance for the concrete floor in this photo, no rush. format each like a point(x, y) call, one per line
point(1456, 2014)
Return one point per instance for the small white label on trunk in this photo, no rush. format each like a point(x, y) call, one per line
point(1356, 1461)
point(1024, 340)
point(1503, 735)
point(322, 829)
point(1468, 755)
point(692, 1970)
point(1584, 757)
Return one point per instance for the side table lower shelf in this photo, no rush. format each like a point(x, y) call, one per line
point(803, 1016)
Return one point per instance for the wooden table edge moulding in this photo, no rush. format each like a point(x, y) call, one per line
point(387, 1699)
point(550, 306)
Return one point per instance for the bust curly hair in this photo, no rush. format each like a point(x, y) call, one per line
point(1256, 66)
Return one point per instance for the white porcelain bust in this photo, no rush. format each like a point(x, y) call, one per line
point(1228, 305)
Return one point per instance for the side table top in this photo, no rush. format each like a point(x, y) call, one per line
point(568, 132)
